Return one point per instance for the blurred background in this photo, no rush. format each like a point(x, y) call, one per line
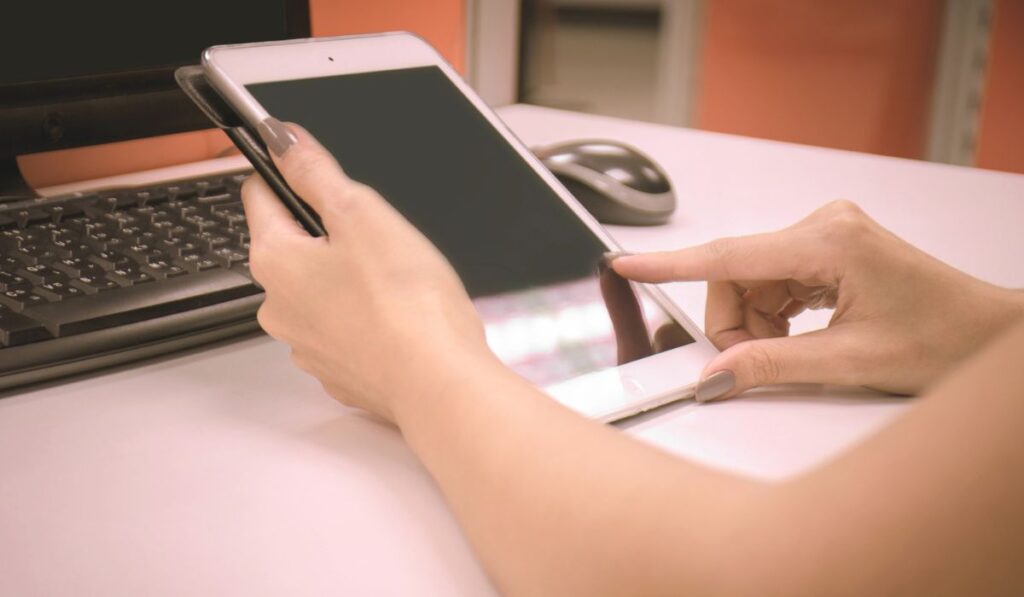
point(939, 80)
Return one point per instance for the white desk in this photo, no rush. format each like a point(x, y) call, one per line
point(226, 471)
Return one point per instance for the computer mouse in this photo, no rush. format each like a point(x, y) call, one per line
point(616, 183)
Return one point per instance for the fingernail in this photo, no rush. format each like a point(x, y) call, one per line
point(613, 255)
point(276, 135)
point(715, 386)
point(606, 260)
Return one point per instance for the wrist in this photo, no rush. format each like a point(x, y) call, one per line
point(439, 382)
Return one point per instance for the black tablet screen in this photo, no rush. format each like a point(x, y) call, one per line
point(528, 261)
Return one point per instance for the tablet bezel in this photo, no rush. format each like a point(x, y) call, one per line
point(607, 395)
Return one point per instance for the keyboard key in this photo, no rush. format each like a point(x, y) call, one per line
point(183, 196)
point(9, 264)
point(10, 281)
point(150, 198)
point(20, 298)
point(148, 237)
point(150, 256)
point(60, 211)
point(137, 303)
point(236, 221)
point(201, 223)
point(226, 257)
point(217, 241)
point(40, 274)
point(24, 217)
point(97, 240)
point(91, 284)
point(112, 202)
point(185, 249)
point(162, 268)
point(16, 329)
point(175, 270)
point(57, 291)
point(163, 228)
point(27, 254)
point(217, 199)
point(129, 275)
point(72, 266)
point(131, 234)
point(94, 209)
point(109, 260)
point(188, 262)
point(234, 207)
point(62, 247)
point(73, 228)
point(120, 219)
point(115, 243)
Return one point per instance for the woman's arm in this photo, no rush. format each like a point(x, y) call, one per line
point(931, 505)
point(556, 504)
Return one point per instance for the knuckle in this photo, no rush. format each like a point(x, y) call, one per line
point(349, 200)
point(722, 251)
point(720, 247)
point(764, 368)
point(847, 223)
point(304, 164)
point(844, 206)
point(342, 202)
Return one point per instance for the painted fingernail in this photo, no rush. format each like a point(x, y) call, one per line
point(715, 386)
point(276, 135)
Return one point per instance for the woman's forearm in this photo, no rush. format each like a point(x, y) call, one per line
point(556, 504)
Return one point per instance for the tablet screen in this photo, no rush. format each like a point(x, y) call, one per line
point(530, 264)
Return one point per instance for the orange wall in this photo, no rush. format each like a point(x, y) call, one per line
point(440, 22)
point(852, 74)
point(1001, 132)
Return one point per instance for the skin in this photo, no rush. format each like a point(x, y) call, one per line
point(902, 318)
point(555, 504)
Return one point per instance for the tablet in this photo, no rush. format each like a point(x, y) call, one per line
point(400, 119)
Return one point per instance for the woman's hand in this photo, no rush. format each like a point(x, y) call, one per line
point(373, 311)
point(902, 318)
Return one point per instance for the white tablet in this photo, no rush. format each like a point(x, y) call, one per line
point(400, 119)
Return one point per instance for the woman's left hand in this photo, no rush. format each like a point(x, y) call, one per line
point(373, 310)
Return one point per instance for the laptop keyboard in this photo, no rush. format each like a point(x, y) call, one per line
point(82, 264)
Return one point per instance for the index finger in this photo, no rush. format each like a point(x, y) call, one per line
point(264, 212)
point(779, 255)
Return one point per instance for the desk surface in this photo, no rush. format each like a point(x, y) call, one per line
point(226, 471)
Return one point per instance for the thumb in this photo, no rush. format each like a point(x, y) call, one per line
point(815, 357)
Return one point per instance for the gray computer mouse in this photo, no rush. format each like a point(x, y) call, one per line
point(615, 182)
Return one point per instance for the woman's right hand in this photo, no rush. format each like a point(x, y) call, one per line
point(902, 318)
